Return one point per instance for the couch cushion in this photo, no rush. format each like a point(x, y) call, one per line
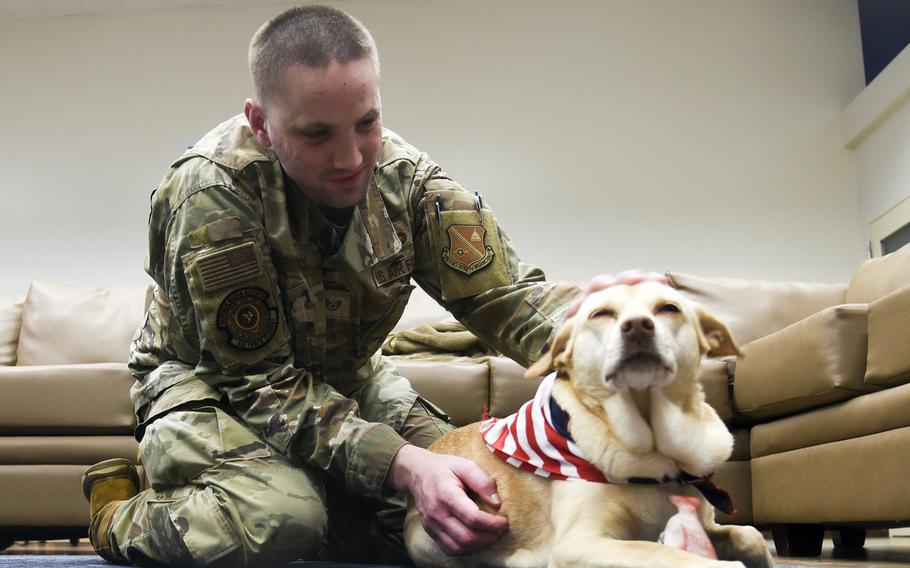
point(79, 324)
point(509, 388)
point(756, 308)
point(877, 277)
point(66, 399)
point(817, 361)
point(861, 416)
point(10, 320)
point(24, 450)
point(460, 389)
point(735, 477)
point(716, 383)
point(861, 480)
point(888, 357)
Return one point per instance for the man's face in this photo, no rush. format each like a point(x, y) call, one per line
point(325, 126)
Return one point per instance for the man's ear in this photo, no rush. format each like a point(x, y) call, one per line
point(255, 115)
point(714, 336)
point(559, 354)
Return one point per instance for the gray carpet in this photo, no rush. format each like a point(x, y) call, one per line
point(64, 561)
point(59, 561)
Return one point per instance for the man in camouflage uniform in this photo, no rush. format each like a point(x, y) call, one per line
point(282, 246)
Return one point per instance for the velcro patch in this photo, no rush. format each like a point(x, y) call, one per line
point(228, 267)
point(220, 230)
point(385, 275)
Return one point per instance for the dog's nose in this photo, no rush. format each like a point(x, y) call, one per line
point(641, 325)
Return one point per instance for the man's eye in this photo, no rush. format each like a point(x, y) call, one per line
point(668, 309)
point(366, 124)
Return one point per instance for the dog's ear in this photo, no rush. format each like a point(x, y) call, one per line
point(714, 336)
point(557, 357)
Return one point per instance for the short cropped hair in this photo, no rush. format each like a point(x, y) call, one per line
point(306, 35)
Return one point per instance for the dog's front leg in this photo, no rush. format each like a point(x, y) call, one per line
point(697, 439)
point(741, 543)
point(583, 549)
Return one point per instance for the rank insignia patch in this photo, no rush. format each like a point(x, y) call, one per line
point(247, 318)
point(467, 251)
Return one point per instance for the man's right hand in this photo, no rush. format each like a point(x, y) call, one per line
point(438, 484)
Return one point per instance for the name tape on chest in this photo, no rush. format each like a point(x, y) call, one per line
point(385, 275)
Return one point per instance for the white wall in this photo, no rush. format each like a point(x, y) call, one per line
point(878, 129)
point(701, 136)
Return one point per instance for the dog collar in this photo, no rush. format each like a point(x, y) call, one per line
point(536, 439)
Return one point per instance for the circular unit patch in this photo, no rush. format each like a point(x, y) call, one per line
point(247, 318)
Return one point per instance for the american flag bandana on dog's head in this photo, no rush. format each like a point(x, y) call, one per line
point(536, 439)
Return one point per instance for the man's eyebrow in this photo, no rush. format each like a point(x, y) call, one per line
point(313, 126)
point(372, 113)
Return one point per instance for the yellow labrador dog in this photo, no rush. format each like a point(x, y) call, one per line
point(636, 429)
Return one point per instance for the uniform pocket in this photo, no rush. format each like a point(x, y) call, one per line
point(182, 445)
point(468, 252)
point(236, 303)
point(196, 524)
point(237, 441)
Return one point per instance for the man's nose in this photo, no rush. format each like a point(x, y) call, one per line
point(347, 155)
point(637, 326)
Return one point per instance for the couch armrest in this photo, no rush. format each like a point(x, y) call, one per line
point(814, 362)
point(89, 398)
point(888, 358)
point(461, 390)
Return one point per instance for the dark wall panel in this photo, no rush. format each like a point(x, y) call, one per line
point(885, 28)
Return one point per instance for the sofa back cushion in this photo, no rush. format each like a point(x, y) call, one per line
point(756, 308)
point(79, 324)
point(10, 320)
point(878, 277)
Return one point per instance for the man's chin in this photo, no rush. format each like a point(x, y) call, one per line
point(345, 199)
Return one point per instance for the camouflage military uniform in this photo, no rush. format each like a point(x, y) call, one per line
point(259, 380)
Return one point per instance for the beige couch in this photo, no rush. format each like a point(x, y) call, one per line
point(64, 401)
point(799, 427)
point(823, 392)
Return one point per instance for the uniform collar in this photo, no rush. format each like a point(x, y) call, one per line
point(231, 144)
point(371, 238)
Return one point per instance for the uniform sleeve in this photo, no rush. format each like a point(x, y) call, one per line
point(222, 286)
point(466, 261)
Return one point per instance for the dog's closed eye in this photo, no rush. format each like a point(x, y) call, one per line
point(603, 313)
point(668, 309)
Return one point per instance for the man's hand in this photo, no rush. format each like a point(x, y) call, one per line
point(438, 484)
point(601, 281)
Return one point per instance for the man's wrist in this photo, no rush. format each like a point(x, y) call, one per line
point(400, 470)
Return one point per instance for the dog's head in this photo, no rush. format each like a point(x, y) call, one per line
point(635, 337)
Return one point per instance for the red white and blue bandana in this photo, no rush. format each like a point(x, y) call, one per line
point(536, 439)
point(532, 441)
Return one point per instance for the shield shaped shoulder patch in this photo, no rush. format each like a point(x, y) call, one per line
point(467, 251)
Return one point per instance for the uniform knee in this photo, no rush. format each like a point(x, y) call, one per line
point(277, 530)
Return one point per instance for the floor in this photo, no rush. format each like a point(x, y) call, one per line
point(880, 552)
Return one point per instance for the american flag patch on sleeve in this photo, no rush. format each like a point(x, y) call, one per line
point(227, 267)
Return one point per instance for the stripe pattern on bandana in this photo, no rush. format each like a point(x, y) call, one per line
point(533, 441)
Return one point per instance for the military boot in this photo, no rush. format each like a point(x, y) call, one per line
point(106, 484)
